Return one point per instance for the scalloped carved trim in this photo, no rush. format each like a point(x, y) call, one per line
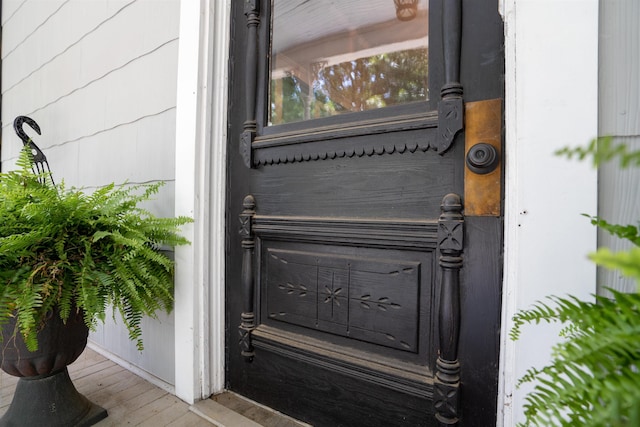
point(339, 141)
point(326, 150)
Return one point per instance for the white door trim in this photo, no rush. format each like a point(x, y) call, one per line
point(200, 193)
point(217, 190)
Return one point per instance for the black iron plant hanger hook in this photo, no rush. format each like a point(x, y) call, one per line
point(39, 159)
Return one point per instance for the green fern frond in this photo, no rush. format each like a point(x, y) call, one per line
point(627, 262)
point(604, 149)
point(539, 313)
point(627, 232)
point(133, 320)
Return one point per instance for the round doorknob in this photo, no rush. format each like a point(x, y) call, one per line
point(482, 158)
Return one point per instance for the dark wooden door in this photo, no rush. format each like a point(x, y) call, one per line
point(364, 223)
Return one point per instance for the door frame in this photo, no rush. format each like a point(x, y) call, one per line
point(201, 121)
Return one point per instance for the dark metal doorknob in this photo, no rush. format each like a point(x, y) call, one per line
point(482, 158)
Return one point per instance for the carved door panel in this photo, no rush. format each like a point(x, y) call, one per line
point(364, 210)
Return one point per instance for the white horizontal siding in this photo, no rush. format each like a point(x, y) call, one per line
point(91, 58)
point(99, 77)
point(106, 79)
point(619, 115)
point(10, 8)
point(44, 29)
point(123, 97)
point(127, 95)
point(27, 17)
point(141, 150)
point(154, 358)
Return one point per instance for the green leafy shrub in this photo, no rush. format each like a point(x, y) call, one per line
point(62, 248)
point(593, 378)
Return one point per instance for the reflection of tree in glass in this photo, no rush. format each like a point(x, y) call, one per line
point(362, 84)
point(377, 81)
point(289, 96)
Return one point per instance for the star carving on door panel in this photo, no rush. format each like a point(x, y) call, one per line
point(332, 296)
point(374, 300)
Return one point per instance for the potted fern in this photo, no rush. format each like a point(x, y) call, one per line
point(68, 257)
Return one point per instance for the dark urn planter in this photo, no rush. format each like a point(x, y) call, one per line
point(45, 395)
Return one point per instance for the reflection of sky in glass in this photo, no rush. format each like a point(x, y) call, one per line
point(334, 56)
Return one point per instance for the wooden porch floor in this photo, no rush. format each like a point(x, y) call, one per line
point(133, 401)
point(128, 399)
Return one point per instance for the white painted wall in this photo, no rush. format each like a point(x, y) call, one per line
point(551, 102)
point(100, 78)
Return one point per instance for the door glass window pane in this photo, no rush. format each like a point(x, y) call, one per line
point(333, 57)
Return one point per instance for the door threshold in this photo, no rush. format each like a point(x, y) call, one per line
point(229, 409)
